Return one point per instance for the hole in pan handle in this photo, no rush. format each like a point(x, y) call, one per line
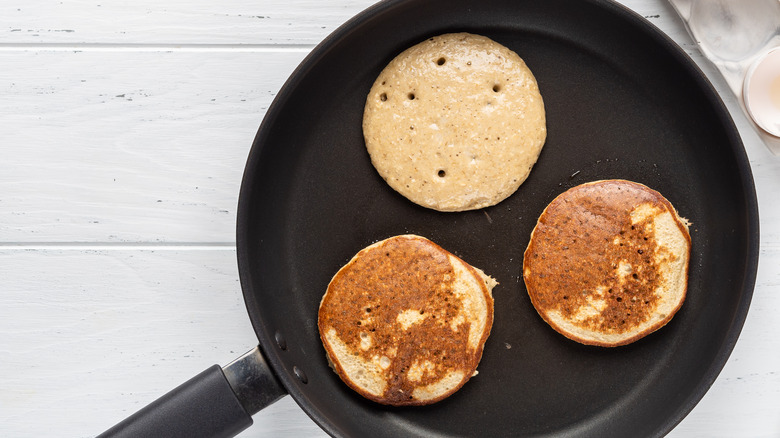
point(218, 402)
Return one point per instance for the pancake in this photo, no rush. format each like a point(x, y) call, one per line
point(405, 321)
point(455, 122)
point(607, 262)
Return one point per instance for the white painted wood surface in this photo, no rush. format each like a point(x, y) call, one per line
point(124, 127)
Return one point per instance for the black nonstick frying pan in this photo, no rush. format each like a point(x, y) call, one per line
point(622, 101)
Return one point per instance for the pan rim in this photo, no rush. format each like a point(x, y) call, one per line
point(266, 340)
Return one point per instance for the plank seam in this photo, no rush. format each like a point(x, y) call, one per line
point(161, 47)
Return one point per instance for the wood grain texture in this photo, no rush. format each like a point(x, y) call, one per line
point(173, 21)
point(90, 336)
point(77, 341)
point(132, 145)
point(125, 126)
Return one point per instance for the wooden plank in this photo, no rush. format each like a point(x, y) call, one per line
point(228, 22)
point(751, 378)
point(104, 332)
point(110, 107)
point(126, 146)
point(91, 336)
point(202, 22)
point(149, 145)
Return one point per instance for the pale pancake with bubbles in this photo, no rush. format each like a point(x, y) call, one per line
point(405, 321)
point(607, 263)
point(455, 122)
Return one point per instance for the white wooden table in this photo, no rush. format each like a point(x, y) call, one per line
point(124, 128)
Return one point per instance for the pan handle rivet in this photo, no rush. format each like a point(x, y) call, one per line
point(280, 341)
point(300, 375)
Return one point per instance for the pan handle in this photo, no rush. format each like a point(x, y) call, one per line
point(218, 402)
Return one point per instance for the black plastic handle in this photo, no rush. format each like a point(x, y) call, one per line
point(207, 405)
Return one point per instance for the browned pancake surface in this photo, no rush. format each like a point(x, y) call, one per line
point(581, 243)
point(402, 274)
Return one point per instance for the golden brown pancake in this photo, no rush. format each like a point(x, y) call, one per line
point(607, 263)
point(455, 122)
point(405, 321)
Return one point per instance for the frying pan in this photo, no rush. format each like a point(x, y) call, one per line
point(622, 101)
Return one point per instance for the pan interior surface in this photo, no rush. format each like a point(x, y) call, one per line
point(622, 102)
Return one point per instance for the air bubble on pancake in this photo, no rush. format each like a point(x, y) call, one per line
point(441, 61)
point(383, 97)
point(442, 173)
point(410, 96)
point(496, 88)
